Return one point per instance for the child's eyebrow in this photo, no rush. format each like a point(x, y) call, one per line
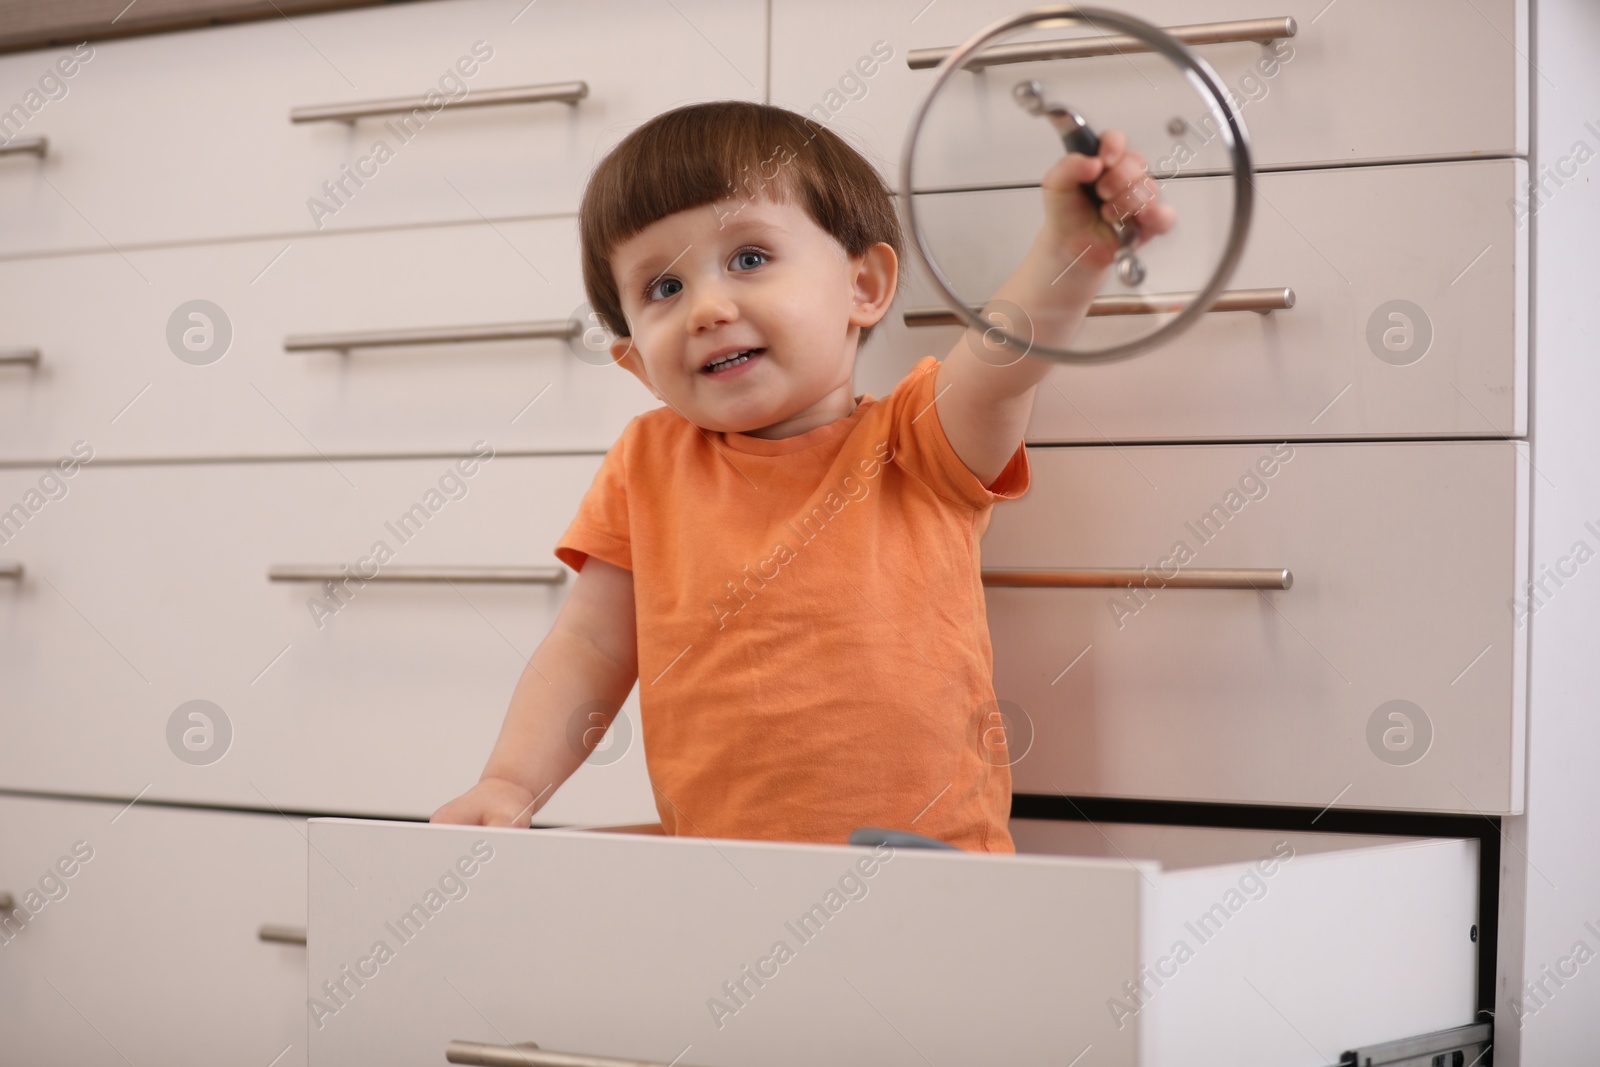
point(752, 225)
point(648, 270)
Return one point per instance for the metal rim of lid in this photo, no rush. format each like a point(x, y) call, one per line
point(1209, 87)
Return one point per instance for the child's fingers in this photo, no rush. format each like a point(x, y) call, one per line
point(1158, 218)
point(1128, 173)
point(1152, 218)
point(1073, 169)
point(1113, 144)
point(1130, 190)
point(447, 813)
point(1120, 177)
point(1136, 198)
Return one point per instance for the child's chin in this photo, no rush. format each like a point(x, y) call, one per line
point(752, 424)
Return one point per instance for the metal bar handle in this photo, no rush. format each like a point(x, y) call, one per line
point(528, 1054)
point(25, 146)
point(1263, 301)
point(11, 572)
point(282, 572)
point(1116, 577)
point(16, 357)
point(552, 92)
point(284, 935)
point(1261, 31)
point(548, 329)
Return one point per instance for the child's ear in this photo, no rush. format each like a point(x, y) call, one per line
point(872, 291)
point(626, 355)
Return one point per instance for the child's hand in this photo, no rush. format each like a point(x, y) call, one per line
point(492, 802)
point(1072, 225)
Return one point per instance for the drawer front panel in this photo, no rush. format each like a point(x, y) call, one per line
point(1434, 85)
point(157, 900)
point(116, 367)
point(138, 154)
point(113, 378)
point(1409, 316)
point(146, 588)
point(1406, 561)
point(900, 955)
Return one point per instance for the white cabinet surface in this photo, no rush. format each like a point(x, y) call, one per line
point(1360, 81)
point(1409, 319)
point(187, 136)
point(731, 953)
point(1390, 674)
point(146, 588)
point(138, 939)
point(132, 365)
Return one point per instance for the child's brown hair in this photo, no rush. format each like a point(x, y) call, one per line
point(702, 153)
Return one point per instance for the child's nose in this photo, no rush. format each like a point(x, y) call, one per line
point(710, 305)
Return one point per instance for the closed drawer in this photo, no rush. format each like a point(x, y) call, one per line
point(146, 588)
point(139, 152)
point(1409, 319)
point(1390, 675)
point(116, 367)
point(912, 957)
point(1434, 85)
point(136, 935)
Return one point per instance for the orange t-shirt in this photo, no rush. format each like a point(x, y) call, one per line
point(813, 644)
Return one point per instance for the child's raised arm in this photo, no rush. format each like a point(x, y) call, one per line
point(590, 654)
point(984, 402)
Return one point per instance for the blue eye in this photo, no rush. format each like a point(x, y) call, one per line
point(650, 289)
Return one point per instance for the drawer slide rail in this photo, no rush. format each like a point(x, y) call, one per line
point(1463, 1046)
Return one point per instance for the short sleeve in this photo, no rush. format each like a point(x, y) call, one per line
point(924, 451)
point(600, 527)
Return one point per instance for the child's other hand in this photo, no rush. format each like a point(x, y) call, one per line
point(492, 802)
point(1071, 223)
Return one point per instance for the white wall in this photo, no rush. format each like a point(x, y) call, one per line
point(1551, 854)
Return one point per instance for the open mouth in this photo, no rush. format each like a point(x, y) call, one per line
point(735, 360)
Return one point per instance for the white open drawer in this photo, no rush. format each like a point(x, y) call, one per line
point(620, 945)
point(138, 934)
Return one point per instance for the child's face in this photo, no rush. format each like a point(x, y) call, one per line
point(744, 274)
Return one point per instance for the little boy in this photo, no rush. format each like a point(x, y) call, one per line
point(791, 571)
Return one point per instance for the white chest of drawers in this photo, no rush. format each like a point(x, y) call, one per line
point(1420, 515)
